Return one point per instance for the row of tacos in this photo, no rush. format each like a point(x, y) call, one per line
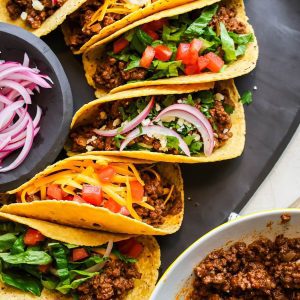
point(84, 224)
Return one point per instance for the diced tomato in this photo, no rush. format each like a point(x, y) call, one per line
point(147, 57)
point(183, 53)
point(202, 63)
point(215, 63)
point(124, 246)
point(32, 237)
point(44, 268)
point(79, 254)
point(92, 194)
point(137, 190)
point(54, 192)
point(191, 69)
point(68, 197)
point(106, 173)
point(150, 32)
point(120, 45)
point(135, 250)
point(78, 199)
point(194, 51)
point(163, 52)
point(157, 24)
point(130, 248)
point(112, 205)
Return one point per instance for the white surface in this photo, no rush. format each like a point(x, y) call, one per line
point(282, 186)
point(244, 229)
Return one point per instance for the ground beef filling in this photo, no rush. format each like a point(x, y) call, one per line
point(261, 270)
point(34, 17)
point(83, 137)
point(110, 72)
point(116, 279)
point(228, 17)
point(77, 23)
point(154, 190)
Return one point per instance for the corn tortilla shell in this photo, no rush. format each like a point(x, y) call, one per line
point(148, 263)
point(49, 24)
point(155, 7)
point(241, 66)
point(232, 148)
point(98, 218)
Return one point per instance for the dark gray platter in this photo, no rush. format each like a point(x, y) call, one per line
point(217, 189)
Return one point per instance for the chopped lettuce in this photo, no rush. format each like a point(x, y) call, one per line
point(196, 29)
point(227, 44)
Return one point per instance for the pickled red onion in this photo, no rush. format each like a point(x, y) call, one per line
point(17, 128)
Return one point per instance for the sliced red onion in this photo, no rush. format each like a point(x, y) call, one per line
point(26, 148)
point(195, 117)
point(25, 60)
point(98, 267)
point(17, 87)
point(155, 129)
point(5, 142)
point(8, 111)
point(130, 125)
point(17, 83)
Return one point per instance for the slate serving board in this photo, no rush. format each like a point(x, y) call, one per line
point(214, 190)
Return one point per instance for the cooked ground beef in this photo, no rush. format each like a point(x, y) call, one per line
point(285, 218)
point(228, 17)
point(261, 270)
point(116, 279)
point(82, 136)
point(154, 190)
point(77, 23)
point(34, 18)
point(110, 73)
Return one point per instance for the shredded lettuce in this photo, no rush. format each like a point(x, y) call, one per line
point(227, 44)
point(196, 29)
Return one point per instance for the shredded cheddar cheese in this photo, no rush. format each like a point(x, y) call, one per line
point(74, 174)
point(114, 6)
point(169, 195)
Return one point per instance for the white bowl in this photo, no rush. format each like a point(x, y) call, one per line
point(176, 281)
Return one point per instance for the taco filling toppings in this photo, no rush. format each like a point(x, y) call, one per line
point(138, 192)
point(264, 269)
point(191, 43)
point(187, 124)
point(30, 262)
point(33, 12)
point(94, 15)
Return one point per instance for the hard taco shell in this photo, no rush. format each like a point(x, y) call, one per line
point(98, 218)
point(153, 8)
point(147, 264)
point(232, 148)
point(241, 66)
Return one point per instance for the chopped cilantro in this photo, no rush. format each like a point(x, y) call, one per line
point(172, 142)
point(246, 98)
point(228, 108)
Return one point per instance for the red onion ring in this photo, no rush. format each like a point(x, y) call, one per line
point(155, 129)
point(206, 128)
point(130, 125)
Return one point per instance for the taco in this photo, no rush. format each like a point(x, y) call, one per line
point(91, 20)
point(105, 193)
point(185, 124)
point(193, 43)
point(41, 260)
point(97, 19)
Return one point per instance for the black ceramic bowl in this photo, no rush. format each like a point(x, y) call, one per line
point(56, 103)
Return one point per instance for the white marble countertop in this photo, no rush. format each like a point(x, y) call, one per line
point(282, 186)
